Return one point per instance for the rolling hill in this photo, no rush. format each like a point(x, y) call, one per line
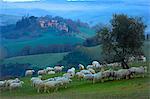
point(43, 31)
point(52, 58)
point(41, 60)
point(8, 19)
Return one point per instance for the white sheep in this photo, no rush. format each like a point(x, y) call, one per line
point(68, 75)
point(90, 66)
point(80, 75)
point(95, 63)
point(29, 72)
point(88, 77)
point(143, 58)
point(15, 85)
point(3, 83)
point(97, 66)
point(123, 73)
point(42, 72)
point(49, 69)
point(64, 80)
point(71, 71)
point(114, 65)
point(92, 70)
point(58, 68)
point(33, 79)
point(8, 82)
point(52, 85)
point(39, 84)
point(107, 74)
point(51, 72)
point(138, 70)
point(98, 77)
point(81, 67)
point(85, 72)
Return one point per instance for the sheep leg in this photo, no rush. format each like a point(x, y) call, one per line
point(38, 90)
point(127, 77)
point(93, 81)
point(45, 89)
point(143, 75)
point(102, 80)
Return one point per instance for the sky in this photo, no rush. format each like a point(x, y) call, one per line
point(91, 12)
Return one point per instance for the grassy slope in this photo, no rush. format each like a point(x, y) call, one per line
point(51, 59)
point(95, 51)
point(39, 60)
point(15, 46)
point(137, 88)
point(47, 39)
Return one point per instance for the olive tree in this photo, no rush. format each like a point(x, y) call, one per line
point(124, 39)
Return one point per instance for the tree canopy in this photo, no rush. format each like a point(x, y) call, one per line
point(124, 39)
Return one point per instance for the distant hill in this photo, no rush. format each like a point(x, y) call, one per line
point(43, 31)
point(8, 19)
point(32, 27)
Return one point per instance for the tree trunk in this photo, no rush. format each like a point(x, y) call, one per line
point(124, 65)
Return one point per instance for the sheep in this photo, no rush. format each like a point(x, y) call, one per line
point(81, 67)
point(8, 82)
point(85, 72)
point(95, 63)
point(138, 70)
point(98, 77)
point(39, 84)
point(97, 66)
point(114, 65)
point(90, 66)
point(51, 72)
point(58, 68)
point(68, 75)
point(123, 73)
point(15, 85)
point(143, 58)
point(88, 77)
point(3, 84)
point(29, 72)
point(52, 85)
point(131, 59)
point(33, 79)
point(71, 71)
point(49, 69)
point(42, 72)
point(80, 75)
point(92, 70)
point(106, 74)
point(64, 80)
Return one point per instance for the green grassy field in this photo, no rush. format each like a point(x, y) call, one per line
point(41, 60)
point(136, 88)
point(46, 39)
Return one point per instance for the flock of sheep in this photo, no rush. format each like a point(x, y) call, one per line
point(94, 72)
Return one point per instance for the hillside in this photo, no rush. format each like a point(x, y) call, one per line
point(53, 58)
point(8, 19)
point(31, 31)
point(42, 60)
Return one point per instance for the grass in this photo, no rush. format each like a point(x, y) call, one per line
point(41, 60)
point(15, 46)
point(136, 88)
point(47, 38)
